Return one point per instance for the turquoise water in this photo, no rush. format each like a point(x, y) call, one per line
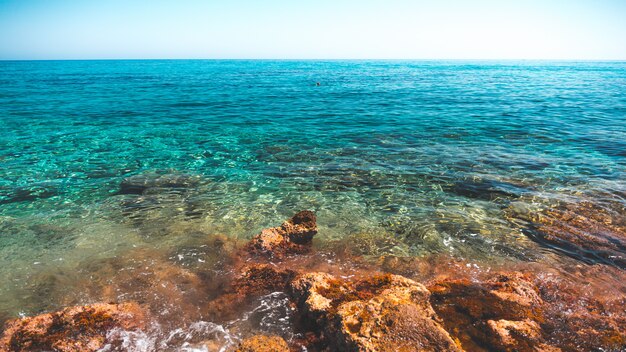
point(396, 158)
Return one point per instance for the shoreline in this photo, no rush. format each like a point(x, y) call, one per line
point(449, 304)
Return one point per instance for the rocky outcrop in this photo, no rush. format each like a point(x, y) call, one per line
point(78, 329)
point(292, 237)
point(325, 305)
point(377, 313)
point(503, 312)
point(263, 343)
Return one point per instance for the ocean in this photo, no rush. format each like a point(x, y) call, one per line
point(396, 158)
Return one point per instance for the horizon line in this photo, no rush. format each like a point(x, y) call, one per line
point(320, 59)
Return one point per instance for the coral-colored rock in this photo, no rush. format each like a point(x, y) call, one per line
point(491, 313)
point(81, 328)
point(378, 313)
point(522, 335)
point(306, 291)
point(263, 343)
point(293, 236)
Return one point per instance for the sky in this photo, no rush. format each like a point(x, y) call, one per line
point(313, 29)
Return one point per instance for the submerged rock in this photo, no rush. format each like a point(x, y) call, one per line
point(30, 193)
point(378, 313)
point(81, 328)
point(293, 236)
point(583, 230)
point(263, 343)
point(487, 189)
point(142, 183)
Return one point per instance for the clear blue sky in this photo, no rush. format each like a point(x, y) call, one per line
point(288, 29)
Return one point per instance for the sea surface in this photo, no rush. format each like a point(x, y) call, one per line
point(397, 158)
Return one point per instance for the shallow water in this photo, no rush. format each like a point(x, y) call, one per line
point(396, 158)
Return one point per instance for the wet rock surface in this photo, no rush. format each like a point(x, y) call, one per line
point(583, 230)
point(492, 312)
point(294, 236)
point(379, 313)
point(276, 293)
point(263, 343)
point(82, 328)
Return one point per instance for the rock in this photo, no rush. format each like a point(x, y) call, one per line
point(253, 281)
point(263, 343)
point(82, 328)
point(509, 335)
point(293, 236)
point(488, 189)
point(583, 318)
point(495, 312)
point(306, 291)
point(377, 313)
point(31, 193)
point(261, 279)
point(142, 183)
point(584, 230)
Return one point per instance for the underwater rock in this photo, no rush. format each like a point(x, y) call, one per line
point(486, 189)
point(293, 236)
point(140, 184)
point(263, 343)
point(503, 311)
point(31, 193)
point(82, 328)
point(583, 230)
point(378, 313)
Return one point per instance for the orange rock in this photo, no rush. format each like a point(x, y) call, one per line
point(82, 328)
point(490, 313)
point(377, 313)
point(293, 236)
point(523, 335)
point(263, 343)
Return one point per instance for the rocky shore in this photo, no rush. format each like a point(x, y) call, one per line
point(370, 308)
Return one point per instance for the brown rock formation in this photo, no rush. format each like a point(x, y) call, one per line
point(81, 328)
point(578, 319)
point(263, 343)
point(503, 312)
point(292, 237)
point(253, 281)
point(378, 313)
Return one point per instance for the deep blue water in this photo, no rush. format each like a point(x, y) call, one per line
point(397, 157)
